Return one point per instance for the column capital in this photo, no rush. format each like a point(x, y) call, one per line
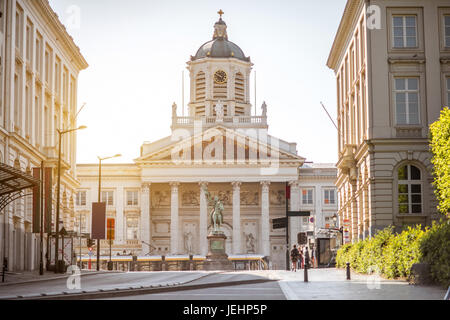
point(265, 185)
point(294, 184)
point(236, 184)
point(203, 184)
point(174, 184)
point(146, 186)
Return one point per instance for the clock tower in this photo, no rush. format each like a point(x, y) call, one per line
point(220, 76)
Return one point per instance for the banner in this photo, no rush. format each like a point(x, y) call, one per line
point(98, 220)
point(37, 202)
point(111, 229)
point(48, 200)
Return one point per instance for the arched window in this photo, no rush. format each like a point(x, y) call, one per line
point(409, 190)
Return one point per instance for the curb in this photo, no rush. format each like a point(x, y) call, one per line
point(56, 278)
point(134, 290)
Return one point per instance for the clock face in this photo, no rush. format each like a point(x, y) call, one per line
point(220, 77)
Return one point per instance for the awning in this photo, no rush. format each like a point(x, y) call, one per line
point(12, 181)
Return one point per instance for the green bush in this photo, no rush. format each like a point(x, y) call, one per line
point(342, 256)
point(401, 252)
point(394, 254)
point(440, 147)
point(435, 248)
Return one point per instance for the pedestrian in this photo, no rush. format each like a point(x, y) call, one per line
point(313, 257)
point(294, 258)
point(300, 258)
point(307, 261)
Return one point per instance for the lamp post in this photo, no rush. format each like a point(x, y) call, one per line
point(58, 191)
point(99, 200)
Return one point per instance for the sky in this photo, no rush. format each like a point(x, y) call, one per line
point(137, 51)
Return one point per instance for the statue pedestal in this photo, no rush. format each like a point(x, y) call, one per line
point(217, 259)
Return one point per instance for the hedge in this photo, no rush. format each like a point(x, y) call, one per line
point(393, 255)
point(440, 147)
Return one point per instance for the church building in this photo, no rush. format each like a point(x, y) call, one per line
point(158, 204)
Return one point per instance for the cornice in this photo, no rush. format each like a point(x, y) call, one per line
point(51, 19)
point(347, 21)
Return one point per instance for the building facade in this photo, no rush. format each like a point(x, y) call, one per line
point(392, 66)
point(38, 95)
point(159, 203)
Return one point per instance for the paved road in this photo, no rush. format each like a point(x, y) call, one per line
point(324, 284)
point(101, 281)
point(257, 292)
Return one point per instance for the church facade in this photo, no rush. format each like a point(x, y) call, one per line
point(158, 204)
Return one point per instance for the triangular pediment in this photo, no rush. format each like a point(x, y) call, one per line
point(221, 145)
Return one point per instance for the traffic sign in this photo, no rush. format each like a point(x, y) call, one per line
point(279, 223)
point(298, 213)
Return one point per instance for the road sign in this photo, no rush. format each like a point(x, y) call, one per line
point(346, 230)
point(311, 219)
point(279, 223)
point(299, 213)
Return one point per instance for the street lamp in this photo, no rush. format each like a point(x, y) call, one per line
point(58, 191)
point(99, 200)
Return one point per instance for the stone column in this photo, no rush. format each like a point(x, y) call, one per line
point(145, 218)
point(120, 217)
point(203, 226)
point(265, 221)
point(237, 247)
point(295, 224)
point(174, 232)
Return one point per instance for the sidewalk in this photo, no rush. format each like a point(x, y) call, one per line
point(332, 284)
point(13, 278)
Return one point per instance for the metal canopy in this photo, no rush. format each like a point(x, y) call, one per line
point(12, 182)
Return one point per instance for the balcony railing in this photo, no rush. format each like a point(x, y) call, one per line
point(212, 120)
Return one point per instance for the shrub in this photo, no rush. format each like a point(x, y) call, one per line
point(440, 147)
point(393, 255)
point(435, 248)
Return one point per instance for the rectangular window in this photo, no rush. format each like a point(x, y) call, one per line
point(81, 198)
point(447, 31)
point(132, 228)
point(404, 31)
point(307, 196)
point(407, 101)
point(83, 228)
point(108, 197)
point(132, 198)
point(329, 196)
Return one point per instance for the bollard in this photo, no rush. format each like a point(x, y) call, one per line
point(306, 273)
point(348, 271)
point(5, 268)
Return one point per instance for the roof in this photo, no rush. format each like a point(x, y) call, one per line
point(13, 180)
point(220, 48)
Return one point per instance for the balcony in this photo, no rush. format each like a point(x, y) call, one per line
point(211, 121)
point(347, 161)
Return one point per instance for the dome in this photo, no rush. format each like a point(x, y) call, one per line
point(220, 46)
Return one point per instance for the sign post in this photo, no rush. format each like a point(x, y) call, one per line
point(346, 231)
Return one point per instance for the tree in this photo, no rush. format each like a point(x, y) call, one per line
point(440, 147)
